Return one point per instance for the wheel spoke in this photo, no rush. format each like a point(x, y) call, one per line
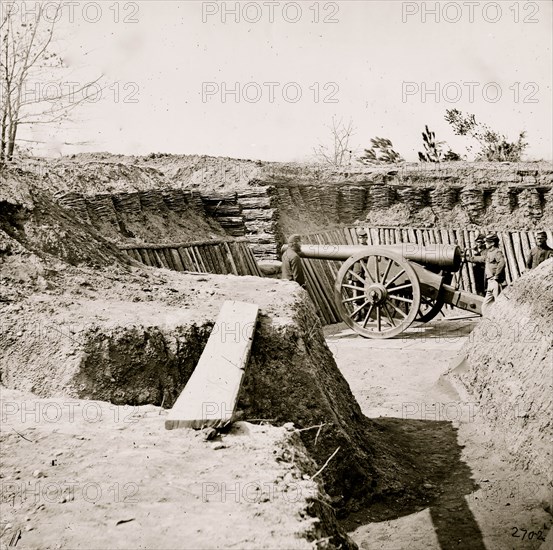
point(387, 272)
point(354, 287)
point(388, 315)
point(358, 309)
point(368, 315)
point(398, 310)
point(378, 320)
point(366, 268)
point(377, 269)
point(402, 287)
point(408, 300)
point(395, 278)
point(360, 297)
point(356, 276)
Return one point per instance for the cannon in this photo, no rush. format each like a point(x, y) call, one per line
point(381, 290)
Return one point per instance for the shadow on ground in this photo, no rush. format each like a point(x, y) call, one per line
point(431, 446)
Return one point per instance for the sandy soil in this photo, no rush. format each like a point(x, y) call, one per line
point(88, 474)
point(481, 501)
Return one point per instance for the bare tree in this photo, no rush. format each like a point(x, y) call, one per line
point(26, 61)
point(339, 153)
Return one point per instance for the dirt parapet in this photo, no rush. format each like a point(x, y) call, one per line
point(267, 201)
point(135, 339)
point(509, 368)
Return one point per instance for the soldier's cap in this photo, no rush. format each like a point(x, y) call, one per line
point(541, 234)
point(492, 238)
point(480, 237)
point(361, 233)
point(292, 239)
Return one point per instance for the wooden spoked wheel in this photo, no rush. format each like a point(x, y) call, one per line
point(431, 307)
point(377, 294)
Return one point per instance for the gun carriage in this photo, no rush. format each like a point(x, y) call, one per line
point(381, 290)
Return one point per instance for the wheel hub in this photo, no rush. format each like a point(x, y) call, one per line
point(376, 294)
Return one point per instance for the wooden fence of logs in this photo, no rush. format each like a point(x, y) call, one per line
point(222, 256)
point(321, 274)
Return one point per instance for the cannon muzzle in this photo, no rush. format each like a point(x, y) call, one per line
point(446, 257)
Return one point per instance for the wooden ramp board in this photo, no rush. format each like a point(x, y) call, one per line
point(209, 398)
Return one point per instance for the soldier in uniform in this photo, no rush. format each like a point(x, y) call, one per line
point(494, 270)
point(539, 253)
point(362, 236)
point(292, 270)
point(478, 258)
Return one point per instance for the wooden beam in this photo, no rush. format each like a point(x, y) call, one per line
point(209, 398)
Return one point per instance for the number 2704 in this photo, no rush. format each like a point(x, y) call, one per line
point(530, 535)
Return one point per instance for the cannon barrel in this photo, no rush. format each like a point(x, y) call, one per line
point(443, 256)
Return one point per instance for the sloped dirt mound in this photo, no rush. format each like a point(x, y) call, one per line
point(29, 216)
point(124, 203)
point(135, 339)
point(509, 370)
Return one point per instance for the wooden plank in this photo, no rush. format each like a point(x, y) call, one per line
point(169, 258)
point(412, 236)
point(180, 245)
point(206, 258)
point(327, 277)
point(197, 253)
point(159, 258)
point(430, 236)
point(238, 258)
point(318, 293)
point(223, 249)
point(526, 246)
point(218, 258)
point(153, 259)
point(374, 236)
point(509, 246)
point(210, 253)
point(191, 252)
point(231, 259)
point(186, 259)
point(369, 236)
point(518, 254)
point(137, 255)
point(177, 262)
point(144, 258)
point(210, 396)
point(347, 236)
point(250, 261)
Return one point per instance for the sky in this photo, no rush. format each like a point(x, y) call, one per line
point(263, 80)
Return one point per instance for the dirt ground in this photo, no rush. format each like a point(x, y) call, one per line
point(87, 474)
point(480, 500)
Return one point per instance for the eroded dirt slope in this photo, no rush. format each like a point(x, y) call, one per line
point(509, 371)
